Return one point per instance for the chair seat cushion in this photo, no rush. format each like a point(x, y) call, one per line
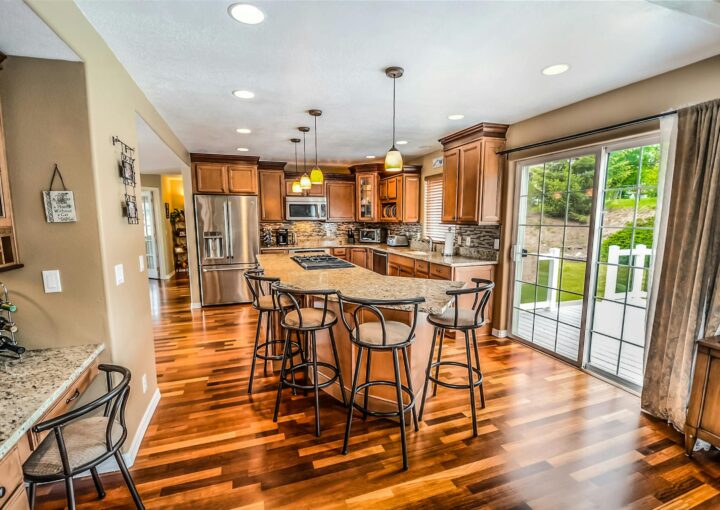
point(84, 442)
point(311, 318)
point(371, 333)
point(267, 303)
point(466, 319)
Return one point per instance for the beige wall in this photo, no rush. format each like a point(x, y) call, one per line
point(113, 101)
point(46, 122)
point(676, 89)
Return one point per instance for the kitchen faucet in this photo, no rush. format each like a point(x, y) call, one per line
point(429, 240)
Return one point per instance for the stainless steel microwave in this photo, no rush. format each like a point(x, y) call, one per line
point(370, 235)
point(305, 208)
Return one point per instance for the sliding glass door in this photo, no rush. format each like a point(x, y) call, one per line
point(583, 255)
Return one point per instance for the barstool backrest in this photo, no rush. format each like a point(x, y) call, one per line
point(481, 291)
point(372, 306)
point(288, 301)
point(260, 286)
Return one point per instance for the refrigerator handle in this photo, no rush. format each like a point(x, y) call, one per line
point(228, 215)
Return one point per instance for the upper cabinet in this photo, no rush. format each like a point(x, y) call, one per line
point(235, 175)
point(8, 244)
point(400, 198)
point(472, 174)
point(272, 184)
point(366, 185)
point(340, 200)
point(316, 190)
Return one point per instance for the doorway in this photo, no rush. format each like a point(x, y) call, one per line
point(151, 246)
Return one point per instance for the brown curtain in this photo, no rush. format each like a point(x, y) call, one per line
point(688, 298)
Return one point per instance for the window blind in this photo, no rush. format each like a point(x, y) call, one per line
point(432, 227)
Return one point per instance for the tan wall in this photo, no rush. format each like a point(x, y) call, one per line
point(113, 102)
point(46, 122)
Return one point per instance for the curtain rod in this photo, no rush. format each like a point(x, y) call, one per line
point(586, 133)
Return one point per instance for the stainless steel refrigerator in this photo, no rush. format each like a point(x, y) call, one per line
point(228, 242)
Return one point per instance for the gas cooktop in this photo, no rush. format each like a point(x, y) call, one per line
point(311, 262)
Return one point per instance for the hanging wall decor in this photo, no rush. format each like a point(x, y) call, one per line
point(126, 169)
point(59, 205)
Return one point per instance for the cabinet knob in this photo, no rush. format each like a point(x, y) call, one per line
point(2, 492)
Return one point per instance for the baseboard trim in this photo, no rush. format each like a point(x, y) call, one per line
point(167, 276)
point(129, 456)
point(500, 333)
point(195, 305)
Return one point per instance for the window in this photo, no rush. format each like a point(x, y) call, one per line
point(432, 226)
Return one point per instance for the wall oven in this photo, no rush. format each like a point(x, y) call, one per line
point(305, 208)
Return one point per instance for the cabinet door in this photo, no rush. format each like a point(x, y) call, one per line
point(383, 190)
point(272, 183)
point(367, 201)
point(210, 178)
point(392, 188)
point(469, 183)
point(288, 189)
point(242, 179)
point(393, 269)
point(316, 190)
point(491, 181)
point(340, 201)
point(451, 163)
point(359, 257)
point(411, 199)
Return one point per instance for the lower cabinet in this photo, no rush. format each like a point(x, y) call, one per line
point(341, 253)
point(360, 257)
point(703, 416)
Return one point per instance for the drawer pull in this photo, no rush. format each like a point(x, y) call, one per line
point(2, 492)
point(74, 396)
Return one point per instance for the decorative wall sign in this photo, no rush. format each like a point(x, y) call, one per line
point(437, 162)
point(59, 205)
point(126, 169)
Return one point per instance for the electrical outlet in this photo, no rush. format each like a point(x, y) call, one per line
point(141, 262)
point(496, 244)
point(144, 383)
point(119, 274)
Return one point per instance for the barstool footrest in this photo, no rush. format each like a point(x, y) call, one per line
point(385, 414)
point(309, 364)
point(451, 385)
point(276, 357)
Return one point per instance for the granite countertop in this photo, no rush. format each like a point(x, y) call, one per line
point(434, 257)
point(28, 387)
point(360, 282)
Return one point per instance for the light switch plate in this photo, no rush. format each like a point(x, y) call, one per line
point(119, 274)
point(51, 281)
point(496, 244)
point(141, 262)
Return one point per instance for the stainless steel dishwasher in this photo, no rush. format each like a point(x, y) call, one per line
point(380, 262)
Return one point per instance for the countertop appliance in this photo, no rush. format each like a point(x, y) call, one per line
point(306, 208)
point(379, 262)
point(399, 240)
point(350, 236)
point(311, 262)
point(370, 235)
point(228, 243)
point(282, 237)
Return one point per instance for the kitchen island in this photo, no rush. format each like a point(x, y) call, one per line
point(363, 283)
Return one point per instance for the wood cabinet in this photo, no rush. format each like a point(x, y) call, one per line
point(361, 257)
point(272, 188)
point(340, 200)
point(368, 197)
point(472, 175)
point(400, 198)
point(316, 190)
point(8, 245)
point(400, 266)
point(341, 253)
point(232, 176)
point(703, 417)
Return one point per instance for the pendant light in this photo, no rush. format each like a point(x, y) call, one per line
point(296, 188)
point(305, 179)
point(393, 158)
point(316, 175)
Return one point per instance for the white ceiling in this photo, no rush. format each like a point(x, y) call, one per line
point(153, 156)
point(24, 34)
point(482, 59)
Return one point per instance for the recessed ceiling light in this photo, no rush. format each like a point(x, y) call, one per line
point(370, 157)
point(555, 69)
point(243, 94)
point(243, 149)
point(456, 116)
point(401, 142)
point(246, 13)
point(244, 131)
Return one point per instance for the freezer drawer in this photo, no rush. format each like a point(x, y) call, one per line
point(222, 285)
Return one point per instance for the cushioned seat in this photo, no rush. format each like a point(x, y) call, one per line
point(267, 303)
point(311, 318)
point(84, 441)
point(371, 333)
point(466, 319)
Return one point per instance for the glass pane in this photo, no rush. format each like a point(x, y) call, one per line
point(604, 352)
point(612, 282)
point(529, 238)
point(535, 182)
point(551, 241)
point(582, 173)
point(572, 277)
point(631, 363)
point(576, 242)
point(523, 323)
point(647, 204)
point(554, 208)
point(556, 176)
point(623, 168)
point(615, 244)
point(544, 332)
point(570, 308)
point(638, 287)
point(549, 273)
point(650, 165)
point(634, 325)
point(579, 207)
point(549, 307)
point(619, 207)
point(527, 269)
point(525, 295)
point(568, 340)
point(608, 318)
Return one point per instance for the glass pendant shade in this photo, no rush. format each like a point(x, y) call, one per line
point(316, 176)
point(305, 182)
point(393, 160)
point(296, 187)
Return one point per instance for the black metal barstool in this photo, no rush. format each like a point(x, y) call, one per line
point(265, 302)
point(81, 441)
point(466, 321)
point(306, 321)
point(381, 335)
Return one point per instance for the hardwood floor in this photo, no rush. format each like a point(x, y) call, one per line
point(551, 437)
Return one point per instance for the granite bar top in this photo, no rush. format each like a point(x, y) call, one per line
point(434, 257)
point(360, 282)
point(28, 387)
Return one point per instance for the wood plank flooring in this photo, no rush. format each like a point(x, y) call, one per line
point(551, 437)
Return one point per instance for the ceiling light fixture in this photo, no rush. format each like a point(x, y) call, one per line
point(243, 131)
point(296, 187)
point(370, 157)
point(246, 13)
point(402, 142)
point(305, 179)
point(456, 116)
point(243, 94)
point(555, 69)
point(316, 175)
point(393, 158)
point(243, 149)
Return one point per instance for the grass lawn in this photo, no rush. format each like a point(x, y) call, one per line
point(572, 280)
point(629, 203)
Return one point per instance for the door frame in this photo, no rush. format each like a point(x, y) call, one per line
point(160, 244)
